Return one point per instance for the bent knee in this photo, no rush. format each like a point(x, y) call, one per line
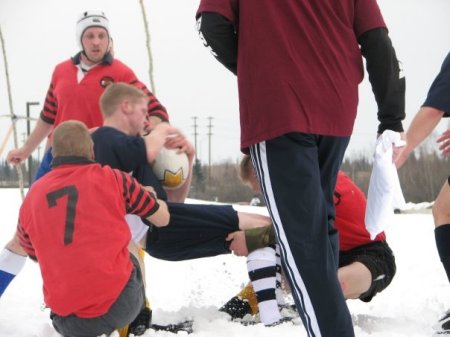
point(348, 291)
point(441, 215)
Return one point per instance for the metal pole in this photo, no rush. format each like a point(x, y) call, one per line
point(195, 135)
point(209, 145)
point(30, 161)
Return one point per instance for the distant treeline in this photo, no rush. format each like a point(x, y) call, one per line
point(9, 176)
point(421, 177)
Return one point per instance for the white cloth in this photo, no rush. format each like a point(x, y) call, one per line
point(385, 193)
point(257, 260)
point(137, 227)
point(10, 262)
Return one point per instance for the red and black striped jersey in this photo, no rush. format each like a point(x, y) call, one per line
point(73, 222)
point(68, 99)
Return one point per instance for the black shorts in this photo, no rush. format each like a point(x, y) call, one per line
point(377, 256)
point(194, 231)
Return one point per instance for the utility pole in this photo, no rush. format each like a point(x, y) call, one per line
point(30, 159)
point(195, 135)
point(209, 145)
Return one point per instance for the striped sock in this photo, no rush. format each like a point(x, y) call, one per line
point(442, 236)
point(261, 265)
point(278, 290)
point(10, 265)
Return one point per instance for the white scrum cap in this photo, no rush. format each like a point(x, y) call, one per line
point(89, 19)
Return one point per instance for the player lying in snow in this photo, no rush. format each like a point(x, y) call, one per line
point(194, 231)
point(366, 267)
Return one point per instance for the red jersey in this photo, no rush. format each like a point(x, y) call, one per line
point(299, 63)
point(350, 205)
point(73, 222)
point(67, 99)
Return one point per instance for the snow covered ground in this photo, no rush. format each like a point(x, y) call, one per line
point(418, 295)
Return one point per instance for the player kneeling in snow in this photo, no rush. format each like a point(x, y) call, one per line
point(91, 288)
point(366, 266)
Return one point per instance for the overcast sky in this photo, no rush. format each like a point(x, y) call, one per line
point(39, 34)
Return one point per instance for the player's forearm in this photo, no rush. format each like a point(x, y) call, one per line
point(39, 133)
point(219, 34)
point(425, 121)
point(161, 217)
point(384, 75)
point(155, 140)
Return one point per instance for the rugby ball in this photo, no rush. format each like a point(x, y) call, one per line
point(171, 168)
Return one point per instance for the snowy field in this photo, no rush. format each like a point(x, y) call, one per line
point(418, 295)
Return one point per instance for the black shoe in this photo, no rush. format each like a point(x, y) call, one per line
point(442, 328)
point(141, 323)
point(237, 307)
point(281, 321)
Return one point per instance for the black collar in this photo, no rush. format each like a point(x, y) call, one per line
point(72, 160)
point(107, 59)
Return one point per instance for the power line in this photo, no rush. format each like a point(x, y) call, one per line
point(195, 134)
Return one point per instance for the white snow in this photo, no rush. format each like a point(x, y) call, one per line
point(418, 295)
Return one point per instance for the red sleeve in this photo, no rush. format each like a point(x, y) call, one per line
point(48, 113)
point(137, 200)
point(367, 16)
point(155, 108)
point(227, 8)
point(25, 242)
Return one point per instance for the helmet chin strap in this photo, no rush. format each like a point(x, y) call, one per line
point(87, 57)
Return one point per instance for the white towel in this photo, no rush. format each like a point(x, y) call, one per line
point(137, 227)
point(385, 193)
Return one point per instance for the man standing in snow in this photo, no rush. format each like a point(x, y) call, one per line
point(436, 107)
point(366, 266)
point(298, 65)
point(73, 94)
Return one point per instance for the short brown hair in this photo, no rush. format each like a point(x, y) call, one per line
point(115, 93)
point(72, 138)
point(246, 169)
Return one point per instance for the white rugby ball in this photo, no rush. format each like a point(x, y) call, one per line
point(171, 168)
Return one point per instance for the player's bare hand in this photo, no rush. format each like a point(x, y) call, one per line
point(399, 151)
point(238, 244)
point(401, 156)
point(151, 190)
point(444, 143)
point(180, 142)
point(17, 156)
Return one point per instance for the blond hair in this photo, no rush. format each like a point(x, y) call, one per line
point(72, 138)
point(115, 93)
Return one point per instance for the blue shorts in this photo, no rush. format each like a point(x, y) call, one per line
point(45, 165)
point(194, 231)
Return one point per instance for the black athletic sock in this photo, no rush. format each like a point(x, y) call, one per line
point(442, 236)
